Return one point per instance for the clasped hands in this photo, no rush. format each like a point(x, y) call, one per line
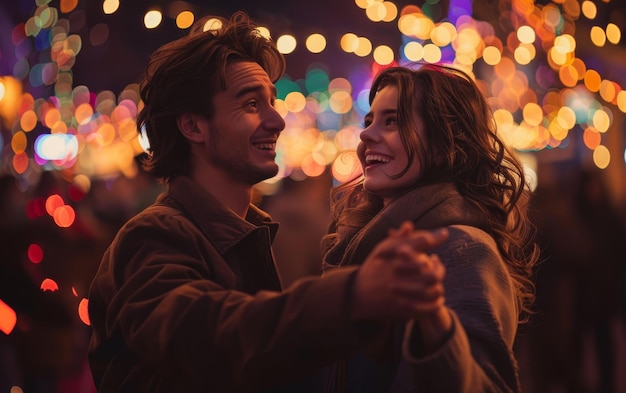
point(400, 278)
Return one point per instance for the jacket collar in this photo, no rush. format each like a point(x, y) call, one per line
point(433, 206)
point(429, 207)
point(219, 224)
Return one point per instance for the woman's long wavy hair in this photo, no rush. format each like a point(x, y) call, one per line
point(461, 133)
point(183, 76)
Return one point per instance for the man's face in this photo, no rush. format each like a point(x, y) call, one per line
point(241, 136)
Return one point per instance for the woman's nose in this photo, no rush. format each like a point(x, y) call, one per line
point(368, 134)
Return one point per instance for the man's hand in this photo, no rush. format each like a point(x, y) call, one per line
point(398, 278)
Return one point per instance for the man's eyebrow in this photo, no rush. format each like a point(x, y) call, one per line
point(253, 89)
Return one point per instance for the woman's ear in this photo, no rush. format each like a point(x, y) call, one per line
point(192, 126)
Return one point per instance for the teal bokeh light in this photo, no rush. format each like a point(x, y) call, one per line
point(317, 80)
point(285, 86)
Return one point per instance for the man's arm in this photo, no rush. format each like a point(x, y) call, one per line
point(171, 314)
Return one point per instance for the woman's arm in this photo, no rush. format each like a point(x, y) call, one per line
point(474, 352)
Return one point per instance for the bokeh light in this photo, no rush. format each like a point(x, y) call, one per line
point(8, 318)
point(152, 19)
point(185, 19)
point(35, 253)
point(286, 43)
point(315, 43)
point(49, 284)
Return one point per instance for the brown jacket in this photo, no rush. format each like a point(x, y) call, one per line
point(186, 299)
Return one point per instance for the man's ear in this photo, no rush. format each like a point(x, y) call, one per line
point(191, 125)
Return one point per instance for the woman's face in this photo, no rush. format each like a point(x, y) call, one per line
point(381, 151)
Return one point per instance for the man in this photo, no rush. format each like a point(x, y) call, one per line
point(187, 298)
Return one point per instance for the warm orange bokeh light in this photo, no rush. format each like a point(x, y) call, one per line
point(49, 284)
point(64, 216)
point(20, 162)
point(68, 5)
point(53, 202)
point(8, 318)
point(83, 312)
point(591, 138)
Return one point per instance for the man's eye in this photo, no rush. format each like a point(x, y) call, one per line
point(252, 104)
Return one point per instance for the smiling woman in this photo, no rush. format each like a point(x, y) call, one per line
point(430, 154)
point(383, 155)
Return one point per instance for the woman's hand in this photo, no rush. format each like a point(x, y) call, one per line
point(428, 291)
point(399, 279)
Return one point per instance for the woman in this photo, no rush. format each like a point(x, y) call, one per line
point(430, 154)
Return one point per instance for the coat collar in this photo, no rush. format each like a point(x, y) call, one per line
point(429, 207)
point(433, 206)
point(219, 224)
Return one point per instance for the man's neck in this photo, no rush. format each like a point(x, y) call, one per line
point(235, 196)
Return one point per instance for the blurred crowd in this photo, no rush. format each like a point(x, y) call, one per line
point(576, 343)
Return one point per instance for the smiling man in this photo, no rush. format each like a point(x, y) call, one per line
point(187, 297)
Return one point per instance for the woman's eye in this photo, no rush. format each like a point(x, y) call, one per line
point(391, 120)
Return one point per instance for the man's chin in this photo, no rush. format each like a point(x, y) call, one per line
point(266, 174)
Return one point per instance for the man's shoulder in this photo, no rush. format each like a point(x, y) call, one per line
point(157, 211)
point(158, 216)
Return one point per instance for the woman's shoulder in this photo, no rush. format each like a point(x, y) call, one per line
point(472, 247)
point(471, 233)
